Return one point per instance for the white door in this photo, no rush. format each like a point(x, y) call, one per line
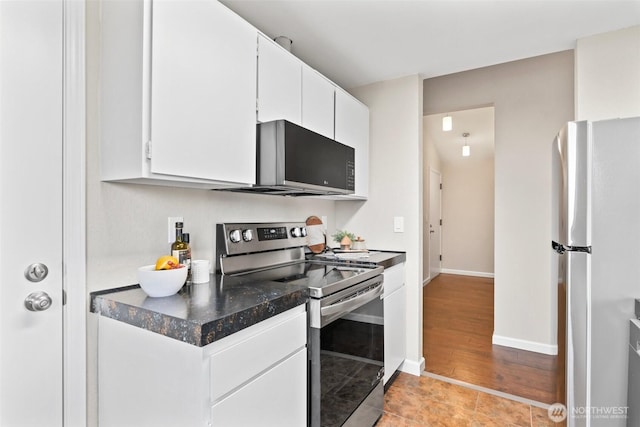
point(435, 227)
point(31, 53)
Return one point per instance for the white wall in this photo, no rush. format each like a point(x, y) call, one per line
point(395, 190)
point(608, 75)
point(127, 223)
point(533, 98)
point(468, 217)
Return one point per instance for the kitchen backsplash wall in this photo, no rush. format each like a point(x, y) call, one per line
point(127, 223)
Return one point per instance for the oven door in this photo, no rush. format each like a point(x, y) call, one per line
point(347, 356)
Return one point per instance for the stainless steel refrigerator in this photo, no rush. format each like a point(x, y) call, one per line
point(596, 242)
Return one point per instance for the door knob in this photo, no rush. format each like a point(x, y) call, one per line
point(36, 272)
point(37, 301)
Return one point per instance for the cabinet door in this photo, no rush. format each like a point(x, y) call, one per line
point(278, 398)
point(352, 129)
point(394, 319)
point(279, 83)
point(203, 88)
point(394, 331)
point(318, 99)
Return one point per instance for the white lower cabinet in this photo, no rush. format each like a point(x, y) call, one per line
point(257, 376)
point(395, 292)
point(270, 396)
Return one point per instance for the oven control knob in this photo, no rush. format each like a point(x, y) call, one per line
point(295, 232)
point(303, 230)
point(247, 235)
point(234, 236)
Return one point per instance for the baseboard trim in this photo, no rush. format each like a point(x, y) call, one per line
point(537, 347)
point(426, 281)
point(467, 273)
point(413, 367)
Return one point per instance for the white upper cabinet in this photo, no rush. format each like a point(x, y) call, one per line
point(352, 129)
point(178, 94)
point(318, 98)
point(291, 90)
point(279, 83)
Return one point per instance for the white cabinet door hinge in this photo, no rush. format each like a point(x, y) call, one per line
point(148, 149)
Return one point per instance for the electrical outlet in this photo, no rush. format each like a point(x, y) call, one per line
point(171, 231)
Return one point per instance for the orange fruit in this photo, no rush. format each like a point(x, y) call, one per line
point(167, 262)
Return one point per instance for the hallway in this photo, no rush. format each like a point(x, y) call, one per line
point(458, 326)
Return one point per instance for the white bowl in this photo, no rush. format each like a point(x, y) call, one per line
point(161, 283)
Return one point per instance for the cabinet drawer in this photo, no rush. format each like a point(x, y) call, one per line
point(393, 279)
point(278, 398)
point(235, 365)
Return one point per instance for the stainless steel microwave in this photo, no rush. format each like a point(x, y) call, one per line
point(295, 161)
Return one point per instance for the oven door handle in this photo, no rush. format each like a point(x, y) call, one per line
point(353, 302)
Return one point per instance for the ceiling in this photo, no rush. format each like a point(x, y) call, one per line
point(356, 42)
point(478, 122)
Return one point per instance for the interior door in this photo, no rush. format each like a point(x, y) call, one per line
point(31, 52)
point(435, 228)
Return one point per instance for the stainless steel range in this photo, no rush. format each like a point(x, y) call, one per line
point(346, 319)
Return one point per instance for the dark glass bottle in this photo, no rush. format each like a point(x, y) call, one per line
point(180, 249)
point(185, 239)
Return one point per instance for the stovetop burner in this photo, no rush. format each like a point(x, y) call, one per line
point(321, 278)
point(275, 252)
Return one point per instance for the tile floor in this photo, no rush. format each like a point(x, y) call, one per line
point(413, 401)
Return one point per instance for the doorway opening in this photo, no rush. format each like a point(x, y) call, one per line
point(458, 298)
point(464, 159)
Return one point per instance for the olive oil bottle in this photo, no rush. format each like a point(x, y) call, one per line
point(185, 239)
point(180, 248)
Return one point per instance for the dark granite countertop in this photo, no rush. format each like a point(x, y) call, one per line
point(384, 259)
point(200, 313)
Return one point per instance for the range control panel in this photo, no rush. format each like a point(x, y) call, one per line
point(272, 233)
point(243, 238)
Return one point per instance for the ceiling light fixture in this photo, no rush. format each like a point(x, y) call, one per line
point(466, 150)
point(447, 123)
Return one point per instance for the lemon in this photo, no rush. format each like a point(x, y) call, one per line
point(167, 262)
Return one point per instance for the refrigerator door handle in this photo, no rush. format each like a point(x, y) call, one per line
point(561, 249)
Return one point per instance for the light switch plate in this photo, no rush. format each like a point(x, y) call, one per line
point(171, 231)
point(398, 224)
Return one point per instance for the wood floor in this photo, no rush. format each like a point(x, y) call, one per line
point(458, 326)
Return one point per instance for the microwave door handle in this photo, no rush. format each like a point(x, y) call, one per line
point(352, 303)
